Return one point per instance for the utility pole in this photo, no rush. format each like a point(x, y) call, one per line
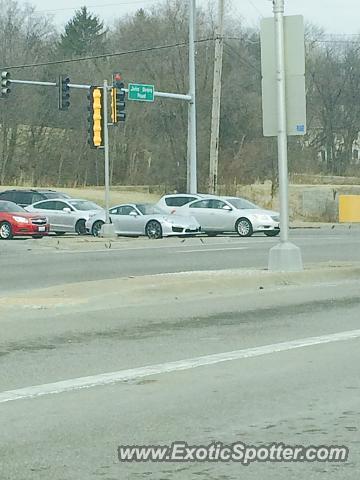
point(216, 100)
point(285, 256)
point(192, 148)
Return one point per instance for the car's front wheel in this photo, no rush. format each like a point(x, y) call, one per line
point(244, 227)
point(153, 229)
point(80, 228)
point(272, 233)
point(5, 231)
point(96, 228)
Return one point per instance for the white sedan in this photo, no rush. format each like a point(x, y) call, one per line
point(66, 215)
point(143, 219)
point(231, 214)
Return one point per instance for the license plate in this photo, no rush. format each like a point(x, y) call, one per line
point(41, 229)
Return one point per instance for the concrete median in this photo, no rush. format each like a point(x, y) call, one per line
point(154, 289)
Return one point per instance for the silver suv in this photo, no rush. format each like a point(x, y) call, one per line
point(171, 202)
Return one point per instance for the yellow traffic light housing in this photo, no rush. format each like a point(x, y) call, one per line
point(113, 105)
point(117, 99)
point(118, 104)
point(96, 118)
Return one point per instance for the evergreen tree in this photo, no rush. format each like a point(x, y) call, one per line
point(84, 35)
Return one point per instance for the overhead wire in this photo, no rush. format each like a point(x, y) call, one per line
point(107, 55)
point(152, 49)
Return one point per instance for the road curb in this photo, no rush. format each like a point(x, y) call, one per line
point(185, 285)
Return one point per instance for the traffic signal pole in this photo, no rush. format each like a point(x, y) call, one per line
point(107, 229)
point(106, 152)
point(49, 84)
point(175, 96)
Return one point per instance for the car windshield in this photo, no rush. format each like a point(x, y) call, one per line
point(241, 203)
point(149, 209)
point(84, 205)
point(10, 207)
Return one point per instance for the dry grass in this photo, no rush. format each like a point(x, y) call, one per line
point(97, 195)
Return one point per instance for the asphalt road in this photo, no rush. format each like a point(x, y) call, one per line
point(305, 395)
point(40, 263)
point(223, 357)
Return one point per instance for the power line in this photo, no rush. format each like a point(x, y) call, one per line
point(333, 41)
point(152, 49)
point(256, 8)
point(245, 40)
point(245, 61)
point(315, 40)
point(107, 55)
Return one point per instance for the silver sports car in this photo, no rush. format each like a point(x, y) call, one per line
point(144, 219)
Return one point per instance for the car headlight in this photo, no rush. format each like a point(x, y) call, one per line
point(21, 219)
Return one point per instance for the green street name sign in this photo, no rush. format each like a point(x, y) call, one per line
point(140, 92)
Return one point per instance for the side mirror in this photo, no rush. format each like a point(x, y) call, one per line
point(66, 210)
point(227, 208)
point(133, 213)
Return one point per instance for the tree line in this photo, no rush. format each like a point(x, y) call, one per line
point(39, 145)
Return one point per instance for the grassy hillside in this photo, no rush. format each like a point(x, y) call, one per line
point(96, 194)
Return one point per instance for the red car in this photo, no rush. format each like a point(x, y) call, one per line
point(15, 221)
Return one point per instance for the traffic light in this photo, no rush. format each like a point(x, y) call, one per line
point(117, 105)
point(117, 80)
point(118, 99)
point(64, 92)
point(5, 84)
point(95, 118)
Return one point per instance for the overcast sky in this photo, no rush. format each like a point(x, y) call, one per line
point(336, 16)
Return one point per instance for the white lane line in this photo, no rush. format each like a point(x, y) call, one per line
point(204, 249)
point(141, 372)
